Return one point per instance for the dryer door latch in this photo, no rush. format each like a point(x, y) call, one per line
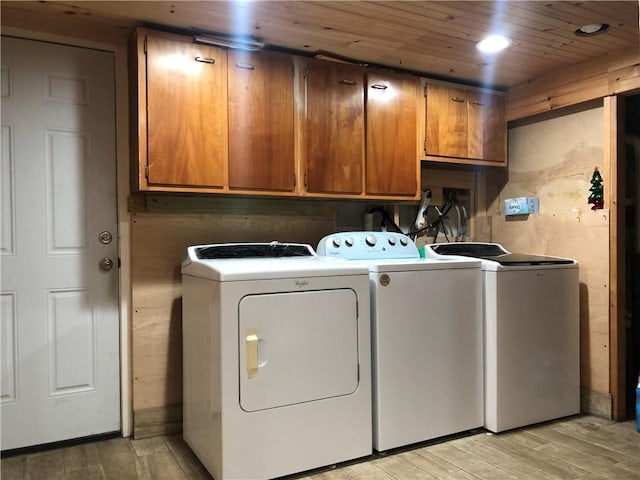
point(251, 339)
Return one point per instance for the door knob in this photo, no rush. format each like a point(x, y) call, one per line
point(106, 264)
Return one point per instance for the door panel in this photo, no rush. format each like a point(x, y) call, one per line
point(391, 134)
point(261, 127)
point(60, 322)
point(305, 348)
point(446, 121)
point(8, 345)
point(186, 113)
point(7, 222)
point(65, 153)
point(487, 132)
point(334, 128)
point(71, 342)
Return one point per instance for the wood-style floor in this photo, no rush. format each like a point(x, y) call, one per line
point(583, 447)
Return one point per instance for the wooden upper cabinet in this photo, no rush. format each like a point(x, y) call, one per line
point(186, 113)
point(446, 121)
point(261, 121)
point(466, 124)
point(334, 128)
point(392, 152)
point(487, 126)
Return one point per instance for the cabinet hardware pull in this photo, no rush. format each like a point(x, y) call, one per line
point(204, 59)
point(476, 102)
point(246, 66)
point(348, 82)
point(379, 86)
point(457, 99)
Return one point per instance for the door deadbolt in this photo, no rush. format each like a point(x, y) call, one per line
point(106, 264)
point(105, 237)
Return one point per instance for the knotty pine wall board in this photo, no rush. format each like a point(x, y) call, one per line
point(554, 160)
point(157, 244)
point(610, 74)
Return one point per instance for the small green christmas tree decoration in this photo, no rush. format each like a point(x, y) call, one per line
point(597, 191)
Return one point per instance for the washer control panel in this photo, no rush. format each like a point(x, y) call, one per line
point(367, 245)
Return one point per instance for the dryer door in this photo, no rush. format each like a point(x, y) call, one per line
point(297, 347)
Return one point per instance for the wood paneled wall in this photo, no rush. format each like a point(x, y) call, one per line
point(610, 74)
point(554, 160)
point(160, 235)
point(606, 78)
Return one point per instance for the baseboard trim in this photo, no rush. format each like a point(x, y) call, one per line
point(150, 422)
point(596, 403)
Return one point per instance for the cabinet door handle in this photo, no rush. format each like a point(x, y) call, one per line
point(476, 102)
point(379, 86)
point(245, 66)
point(204, 59)
point(348, 82)
point(457, 99)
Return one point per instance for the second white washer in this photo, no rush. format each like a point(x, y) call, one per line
point(426, 338)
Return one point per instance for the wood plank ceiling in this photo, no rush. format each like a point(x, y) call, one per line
point(435, 38)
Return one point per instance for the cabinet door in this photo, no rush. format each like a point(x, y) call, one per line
point(261, 132)
point(334, 128)
point(446, 121)
point(392, 157)
point(186, 113)
point(487, 126)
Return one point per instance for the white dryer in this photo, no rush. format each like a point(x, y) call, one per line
point(427, 337)
point(532, 333)
point(276, 363)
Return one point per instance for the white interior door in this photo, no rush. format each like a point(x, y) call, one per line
point(59, 337)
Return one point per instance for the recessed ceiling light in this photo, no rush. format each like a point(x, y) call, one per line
point(493, 43)
point(592, 29)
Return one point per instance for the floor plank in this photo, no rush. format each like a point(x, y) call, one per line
point(579, 448)
point(366, 471)
point(401, 469)
point(13, 468)
point(119, 461)
point(469, 462)
point(45, 466)
point(557, 467)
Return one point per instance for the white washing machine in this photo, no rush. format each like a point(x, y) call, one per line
point(276, 359)
point(427, 337)
point(532, 334)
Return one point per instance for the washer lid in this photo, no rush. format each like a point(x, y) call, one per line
point(519, 259)
point(469, 249)
point(496, 253)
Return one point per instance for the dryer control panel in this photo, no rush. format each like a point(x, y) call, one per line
point(367, 246)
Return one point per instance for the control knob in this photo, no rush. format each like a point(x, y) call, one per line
point(370, 240)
